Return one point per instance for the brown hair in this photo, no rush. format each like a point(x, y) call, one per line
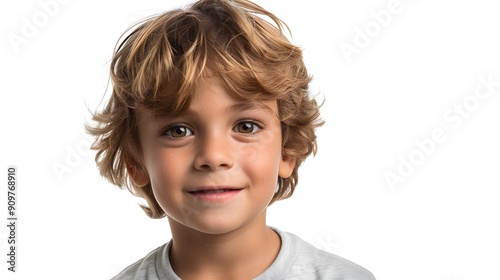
point(157, 65)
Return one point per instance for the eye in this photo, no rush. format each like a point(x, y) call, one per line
point(178, 132)
point(246, 127)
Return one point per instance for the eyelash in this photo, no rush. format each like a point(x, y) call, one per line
point(256, 127)
point(168, 132)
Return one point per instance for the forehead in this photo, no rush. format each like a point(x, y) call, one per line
point(209, 92)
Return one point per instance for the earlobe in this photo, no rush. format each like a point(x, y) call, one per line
point(287, 165)
point(138, 175)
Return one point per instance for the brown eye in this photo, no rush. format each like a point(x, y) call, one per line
point(246, 127)
point(179, 131)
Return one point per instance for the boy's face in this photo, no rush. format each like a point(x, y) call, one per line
point(215, 167)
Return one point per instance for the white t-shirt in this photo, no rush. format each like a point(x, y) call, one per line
point(296, 259)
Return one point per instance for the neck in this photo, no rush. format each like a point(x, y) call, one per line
point(246, 251)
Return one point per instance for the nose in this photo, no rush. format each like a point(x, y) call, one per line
point(214, 153)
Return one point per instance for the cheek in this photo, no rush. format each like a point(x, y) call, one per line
point(166, 170)
point(267, 146)
point(166, 163)
point(168, 173)
point(261, 160)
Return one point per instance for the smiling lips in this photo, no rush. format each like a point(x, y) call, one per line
point(217, 194)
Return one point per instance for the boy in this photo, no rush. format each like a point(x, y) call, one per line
point(209, 121)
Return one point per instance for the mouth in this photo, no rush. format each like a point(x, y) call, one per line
point(215, 194)
point(213, 190)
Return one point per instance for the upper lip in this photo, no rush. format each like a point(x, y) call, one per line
point(212, 188)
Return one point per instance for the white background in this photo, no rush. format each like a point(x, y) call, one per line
point(442, 222)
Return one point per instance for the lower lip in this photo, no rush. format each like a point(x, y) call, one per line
point(215, 197)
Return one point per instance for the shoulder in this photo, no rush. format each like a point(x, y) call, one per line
point(319, 264)
point(144, 269)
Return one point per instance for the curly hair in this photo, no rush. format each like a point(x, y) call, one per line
point(156, 67)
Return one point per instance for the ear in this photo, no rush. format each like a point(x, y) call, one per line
point(138, 175)
point(287, 164)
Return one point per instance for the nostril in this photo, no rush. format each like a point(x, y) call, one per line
point(205, 167)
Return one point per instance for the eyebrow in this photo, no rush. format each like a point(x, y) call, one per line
point(238, 107)
point(248, 106)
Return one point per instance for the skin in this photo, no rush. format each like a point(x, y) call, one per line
point(220, 142)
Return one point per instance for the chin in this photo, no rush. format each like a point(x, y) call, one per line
point(216, 226)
